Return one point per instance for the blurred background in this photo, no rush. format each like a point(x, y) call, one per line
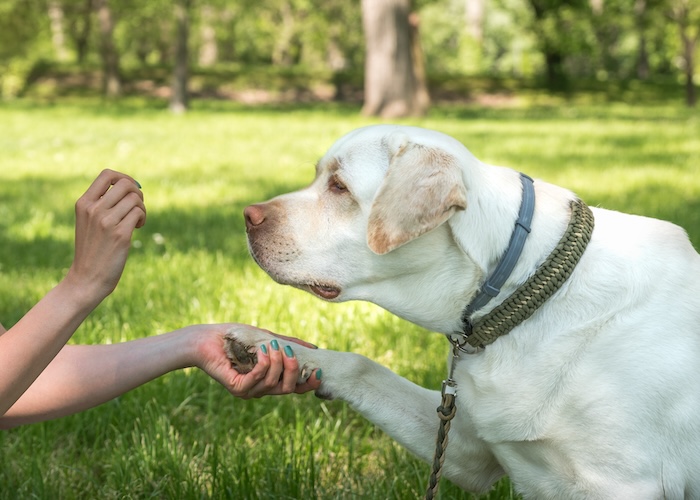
point(396, 57)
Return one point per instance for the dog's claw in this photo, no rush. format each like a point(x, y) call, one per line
point(304, 374)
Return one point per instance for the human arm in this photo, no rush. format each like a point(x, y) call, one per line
point(84, 376)
point(106, 216)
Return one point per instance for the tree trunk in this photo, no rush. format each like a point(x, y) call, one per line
point(179, 98)
point(208, 52)
point(80, 28)
point(421, 97)
point(642, 63)
point(111, 81)
point(683, 14)
point(556, 76)
point(282, 51)
point(689, 59)
point(553, 56)
point(394, 81)
point(474, 11)
point(58, 38)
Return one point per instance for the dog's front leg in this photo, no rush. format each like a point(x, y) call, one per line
point(402, 409)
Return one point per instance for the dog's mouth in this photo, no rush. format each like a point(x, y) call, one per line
point(327, 292)
point(323, 290)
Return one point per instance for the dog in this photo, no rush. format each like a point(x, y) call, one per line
point(595, 394)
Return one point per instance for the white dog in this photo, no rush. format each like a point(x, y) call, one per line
point(595, 393)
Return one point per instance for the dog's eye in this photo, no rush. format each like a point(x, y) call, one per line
point(336, 186)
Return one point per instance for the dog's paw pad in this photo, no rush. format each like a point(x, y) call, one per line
point(242, 356)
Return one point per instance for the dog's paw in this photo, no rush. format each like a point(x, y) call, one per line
point(241, 343)
point(240, 351)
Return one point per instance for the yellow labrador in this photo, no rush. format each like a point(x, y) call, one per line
point(595, 393)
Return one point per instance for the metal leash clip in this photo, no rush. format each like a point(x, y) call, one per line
point(459, 343)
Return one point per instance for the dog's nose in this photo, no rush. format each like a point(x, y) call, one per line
point(254, 216)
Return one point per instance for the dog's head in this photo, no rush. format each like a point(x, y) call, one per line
point(375, 212)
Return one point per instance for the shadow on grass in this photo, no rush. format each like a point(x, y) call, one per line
point(133, 105)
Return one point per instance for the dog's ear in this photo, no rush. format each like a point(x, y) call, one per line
point(422, 188)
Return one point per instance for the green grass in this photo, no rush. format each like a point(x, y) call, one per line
point(183, 436)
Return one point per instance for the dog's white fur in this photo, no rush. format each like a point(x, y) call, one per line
point(597, 395)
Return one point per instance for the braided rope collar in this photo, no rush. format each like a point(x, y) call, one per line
point(546, 280)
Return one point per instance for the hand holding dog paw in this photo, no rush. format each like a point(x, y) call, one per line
point(269, 370)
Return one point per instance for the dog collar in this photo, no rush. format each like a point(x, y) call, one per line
point(546, 280)
point(492, 286)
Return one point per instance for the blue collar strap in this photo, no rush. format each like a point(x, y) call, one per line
point(492, 287)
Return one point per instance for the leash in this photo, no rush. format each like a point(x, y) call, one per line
point(446, 412)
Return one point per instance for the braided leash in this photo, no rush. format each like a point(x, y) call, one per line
point(546, 280)
point(446, 412)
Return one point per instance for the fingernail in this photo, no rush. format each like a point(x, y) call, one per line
point(288, 351)
point(137, 183)
point(275, 345)
point(319, 374)
point(263, 348)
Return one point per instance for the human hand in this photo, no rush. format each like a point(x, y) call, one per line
point(275, 373)
point(105, 218)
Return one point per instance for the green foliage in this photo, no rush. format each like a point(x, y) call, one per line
point(183, 436)
point(565, 39)
point(16, 38)
point(22, 44)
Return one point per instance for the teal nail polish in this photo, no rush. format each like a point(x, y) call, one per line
point(263, 348)
point(137, 183)
point(288, 351)
point(275, 345)
point(319, 374)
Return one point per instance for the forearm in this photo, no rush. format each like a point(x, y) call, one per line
point(30, 345)
point(84, 376)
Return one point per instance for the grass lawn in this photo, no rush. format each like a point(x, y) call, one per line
point(183, 436)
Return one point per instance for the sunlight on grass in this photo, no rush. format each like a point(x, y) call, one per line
point(183, 436)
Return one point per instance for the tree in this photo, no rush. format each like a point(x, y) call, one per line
point(208, 51)
point(56, 18)
point(179, 97)
point(610, 20)
point(395, 83)
point(111, 80)
point(686, 15)
point(79, 15)
point(283, 53)
point(557, 24)
point(640, 24)
point(474, 12)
